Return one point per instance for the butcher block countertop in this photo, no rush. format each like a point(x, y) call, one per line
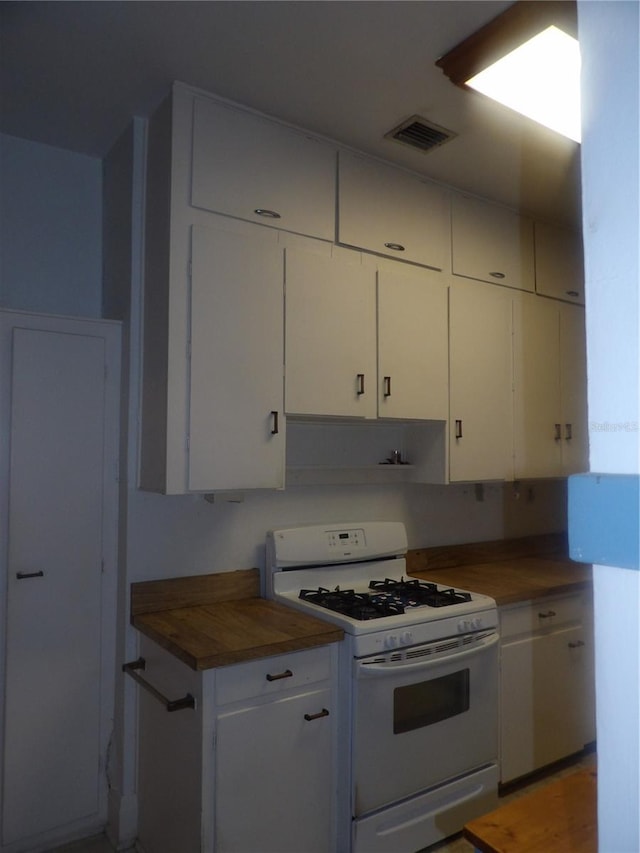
point(509, 571)
point(219, 619)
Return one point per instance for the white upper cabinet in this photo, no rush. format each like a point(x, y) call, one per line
point(573, 390)
point(330, 346)
point(412, 344)
point(481, 401)
point(559, 263)
point(391, 212)
point(236, 428)
point(550, 388)
point(491, 243)
point(253, 168)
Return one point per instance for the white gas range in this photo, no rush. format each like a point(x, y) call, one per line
point(418, 678)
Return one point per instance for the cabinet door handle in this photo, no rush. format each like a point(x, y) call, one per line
point(274, 425)
point(360, 381)
point(387, 386)
point(458, 428)
point(548, 615)
point(576, 645)
point(558, 431)
point(496, 274)
point(286, 674)
point(323, 713)
point(568, 432)
point(574, 293)
point(21, 576)
point(395, 247)
point(268, 214)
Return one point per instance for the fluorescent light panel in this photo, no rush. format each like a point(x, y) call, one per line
point(540, 79)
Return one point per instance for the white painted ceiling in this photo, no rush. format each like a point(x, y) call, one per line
point(73, 73)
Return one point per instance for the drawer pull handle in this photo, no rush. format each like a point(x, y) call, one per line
point(458, 428)
point(568, 432)
point(286, 674)
point(558, 431)
point(360, 383)
point(323, 713)
point(275, 428)
point(576, 645)
point(22, 576)
point(548, 615)
point(130, 668)
point(387, 386)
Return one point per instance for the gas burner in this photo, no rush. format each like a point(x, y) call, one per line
point(357, 605)
point(413, 592)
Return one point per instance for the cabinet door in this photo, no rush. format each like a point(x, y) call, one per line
point(573, 388)
point(274, 790)
point(256, 169)
point(391, 212)
point(541, 701)
point(559, 263)
point(491, 243)
point(330, 334)
point(537, 414)
point(58, 661)
point(481, 402)
point(236, 429)
point(412, 344)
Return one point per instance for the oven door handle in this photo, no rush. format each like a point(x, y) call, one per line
point(374, 670)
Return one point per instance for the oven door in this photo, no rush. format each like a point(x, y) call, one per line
point(423, 716)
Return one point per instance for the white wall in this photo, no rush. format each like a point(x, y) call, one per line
point(609, 37)
point(50, 227)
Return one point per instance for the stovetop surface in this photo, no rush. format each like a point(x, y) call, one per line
point(376, 596)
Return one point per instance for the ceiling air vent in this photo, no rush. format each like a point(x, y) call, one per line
point(420, 133)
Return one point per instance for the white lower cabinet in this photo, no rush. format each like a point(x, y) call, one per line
point(251, 768)
point(546, 685)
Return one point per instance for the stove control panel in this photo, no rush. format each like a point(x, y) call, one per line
point(346, 540)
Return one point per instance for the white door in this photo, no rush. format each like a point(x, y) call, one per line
point(330, 344)
point(481, 402)
point(413, 335)
point(236, 424)
point(54, 709)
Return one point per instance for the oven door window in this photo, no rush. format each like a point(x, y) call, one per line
point(427, 702)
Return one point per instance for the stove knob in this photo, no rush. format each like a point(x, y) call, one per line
point(390, 641)
point(406, 638)
point(463, 626)
point(476, 623)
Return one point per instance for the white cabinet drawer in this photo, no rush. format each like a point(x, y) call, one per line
point(243, 164)
point(272, 675)
point(544, 614)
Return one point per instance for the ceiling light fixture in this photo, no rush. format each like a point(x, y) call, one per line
point(527, 59)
